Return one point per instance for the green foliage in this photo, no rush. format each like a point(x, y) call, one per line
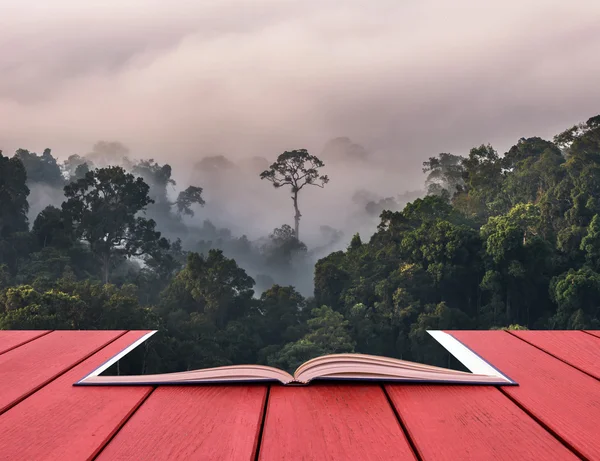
point(103, 209)
point(13, 212)
point(13, 196)
point(510, 327)
point(483, 177)
point(281, 310)
point(355, 243)
point(435, 317)
point(72, 305)
point(51, 229)
point(327, 334)
point(590, 244)
point(577, 295)
point(283, 248)
point(219, 287)
point(501, 241)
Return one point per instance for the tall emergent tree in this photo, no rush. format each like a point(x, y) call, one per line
point(297, 169)
point(103, 206)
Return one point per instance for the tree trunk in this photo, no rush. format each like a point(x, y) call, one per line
point(508, 310)
point(297, 215)
point(105, 267)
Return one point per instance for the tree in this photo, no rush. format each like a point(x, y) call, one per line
point(103, 209)
point(296, 169)
point(590, 244)
point(435, 317)
point(69, 304)
point(280, 311)
point(328, 333)
point(219, 287)
point(187, 198)
point(584, 137)
point(331, 279)
point(207, 312)
point(75, 167)
point(13, 196)
point(445, 174)
point(577, 295)
point(158, 178)
point(14, 240)
point(532, 167)
point(283, 247)
point(518, 263)
point(22, 307)
point(482, 177)
point(356, 242)
point(50, 229)
point(375, 208)
point(41, 169)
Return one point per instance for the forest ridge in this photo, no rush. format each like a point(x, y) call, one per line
point(498, 241)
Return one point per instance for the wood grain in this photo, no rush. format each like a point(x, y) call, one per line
point(332, 422)
point(63, 422)
point(32, 365)
point(593, 332)
point(564, 399)
point(448, 423)
point(11, 339)
point(574, 347)
point(192, 423)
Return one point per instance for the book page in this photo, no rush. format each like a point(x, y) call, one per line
point(233, 373)
point(359, 366)
point(367, 359)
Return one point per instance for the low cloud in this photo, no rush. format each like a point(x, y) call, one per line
point(177, 81)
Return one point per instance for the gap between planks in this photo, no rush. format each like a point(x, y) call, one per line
point(54, 378)
point(26, 342)
point(110, 438)
point(544, 425)
point(554, 356)
point(591, 334)
point(262, 424)
point(403, 427)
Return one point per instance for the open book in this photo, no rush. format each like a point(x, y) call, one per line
point(355, 367)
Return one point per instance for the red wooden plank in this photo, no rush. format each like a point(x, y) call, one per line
point(11, 339)
point(593, 332)
point(574, 347)
point(332, 422)
point(27, 368)
point(192, 423)
point(472, 423)
point(564, 399)
point(63, 422)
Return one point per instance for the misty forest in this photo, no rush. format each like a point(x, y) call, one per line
point(493, 240)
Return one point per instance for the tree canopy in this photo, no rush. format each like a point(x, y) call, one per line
point(498, 241)
point(296, 169)
point(103, 208)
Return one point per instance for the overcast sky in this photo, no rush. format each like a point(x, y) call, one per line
point(180, 79)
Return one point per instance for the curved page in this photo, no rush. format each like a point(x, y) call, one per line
point(234, 373)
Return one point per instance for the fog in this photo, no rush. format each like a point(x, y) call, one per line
point(180, 81)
